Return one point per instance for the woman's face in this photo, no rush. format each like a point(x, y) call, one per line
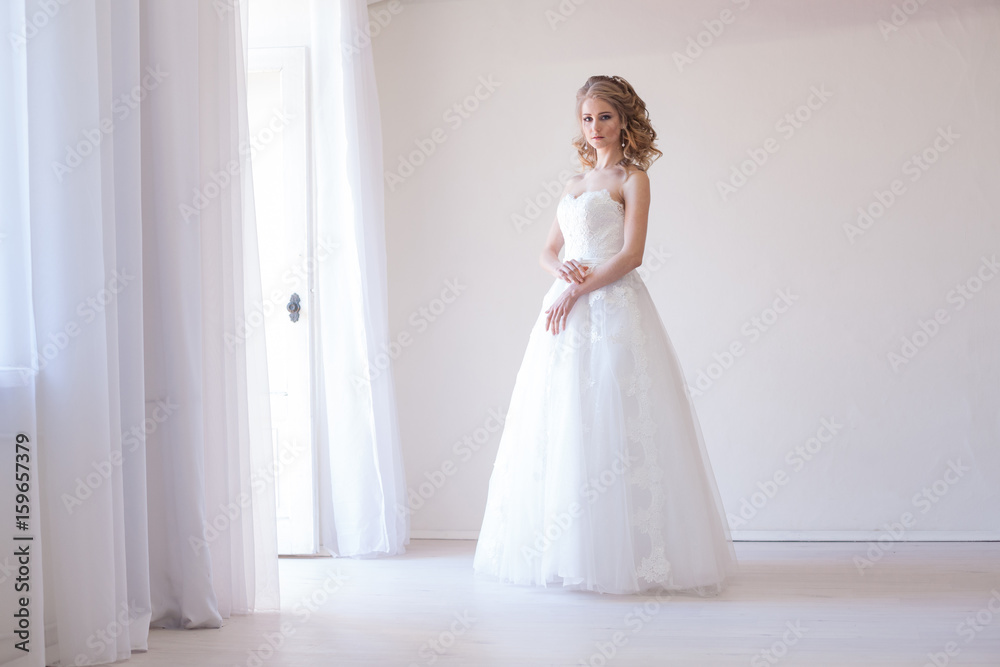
point(600, 123)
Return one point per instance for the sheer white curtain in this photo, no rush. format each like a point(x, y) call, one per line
point(362, 483)
point(18, 431)
point(130, 216)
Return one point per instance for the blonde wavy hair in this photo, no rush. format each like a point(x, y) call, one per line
point(639, 137)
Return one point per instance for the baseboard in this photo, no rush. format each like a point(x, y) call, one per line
point(788, 535)
point(865, 536)
point(444, 534)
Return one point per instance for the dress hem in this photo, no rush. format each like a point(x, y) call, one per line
point(714, 589)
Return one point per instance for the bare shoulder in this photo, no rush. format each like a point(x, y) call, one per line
point(573, 181)
point(635, 188)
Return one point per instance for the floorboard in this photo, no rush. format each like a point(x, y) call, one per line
point(793, 603)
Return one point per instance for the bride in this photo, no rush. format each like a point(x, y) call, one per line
point(601, 480)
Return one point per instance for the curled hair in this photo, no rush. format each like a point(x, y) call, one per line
point(638, 135)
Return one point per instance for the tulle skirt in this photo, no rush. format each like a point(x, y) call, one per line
point(602, 481)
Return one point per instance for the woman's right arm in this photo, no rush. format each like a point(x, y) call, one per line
point(570, 270)
point(549, 258)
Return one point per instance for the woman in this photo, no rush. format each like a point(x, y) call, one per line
point(601, 480)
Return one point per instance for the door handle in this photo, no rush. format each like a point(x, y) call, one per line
point(293, 307)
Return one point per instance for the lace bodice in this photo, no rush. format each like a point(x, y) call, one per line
point(592, 225)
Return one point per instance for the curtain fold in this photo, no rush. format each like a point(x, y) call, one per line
point(121, 69)
point(361, 471)
point(128, 250)
point(18, 420)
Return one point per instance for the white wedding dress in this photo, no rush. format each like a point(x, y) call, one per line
point(601, 480)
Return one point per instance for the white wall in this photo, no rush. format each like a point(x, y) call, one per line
point(827, 356)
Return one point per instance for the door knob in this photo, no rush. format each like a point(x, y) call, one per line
point(294, 307)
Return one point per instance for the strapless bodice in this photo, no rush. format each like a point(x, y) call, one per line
point(592, 225)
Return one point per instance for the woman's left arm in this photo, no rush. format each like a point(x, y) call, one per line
point(636, 193)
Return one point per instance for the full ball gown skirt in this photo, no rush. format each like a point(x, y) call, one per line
point(601, 480)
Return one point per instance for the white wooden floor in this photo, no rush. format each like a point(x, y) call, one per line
point(793, 604)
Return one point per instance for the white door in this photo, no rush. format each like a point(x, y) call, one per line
point(276, 99)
